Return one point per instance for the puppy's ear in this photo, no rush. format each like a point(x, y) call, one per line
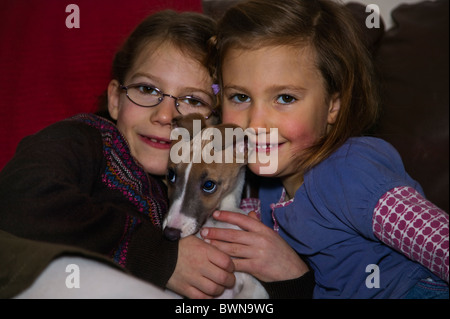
point(233, 139)
point(241, 149)
point(187, 122)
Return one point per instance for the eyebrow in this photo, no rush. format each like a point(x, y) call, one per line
point(234, 87)
point(272, 88)
point(158, 80)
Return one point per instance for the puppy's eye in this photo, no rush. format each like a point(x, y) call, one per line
point(209, 187)
point(171, 177)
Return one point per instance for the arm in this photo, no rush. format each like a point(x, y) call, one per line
point(52, 190)
point(202, 271)
point(255, 248)
point(409, 223)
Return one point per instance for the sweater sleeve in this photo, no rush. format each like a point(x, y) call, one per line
point(407, 222)
point(356, 177)
point(298, 288)
point(52, 191)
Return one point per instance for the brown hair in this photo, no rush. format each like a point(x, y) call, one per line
point(189, 31)
point(341, 57)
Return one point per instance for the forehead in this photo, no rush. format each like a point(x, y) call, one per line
point(270, 63)
point(165, 59)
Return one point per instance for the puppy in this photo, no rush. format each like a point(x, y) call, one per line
point(206, 172)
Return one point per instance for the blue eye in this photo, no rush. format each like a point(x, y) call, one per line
point(209, 187)
point(285, 99)
point(171, 176)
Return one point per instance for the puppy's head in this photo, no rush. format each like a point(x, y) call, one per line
point(197, 183)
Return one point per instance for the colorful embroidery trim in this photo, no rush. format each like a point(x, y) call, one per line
point(122, 173)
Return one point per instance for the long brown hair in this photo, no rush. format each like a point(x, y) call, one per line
point(341, 57)
point(189, 31)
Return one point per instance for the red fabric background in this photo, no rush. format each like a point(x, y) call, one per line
point(49, 72)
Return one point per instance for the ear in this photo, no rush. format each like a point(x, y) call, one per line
point(241, 147)
point(234, 139)
point(333, 108)
point(113, 99)
point(187, 122)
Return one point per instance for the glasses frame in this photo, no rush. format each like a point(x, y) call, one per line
point(163, 95)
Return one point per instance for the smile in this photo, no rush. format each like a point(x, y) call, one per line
point(266, 147)
point(156, 142)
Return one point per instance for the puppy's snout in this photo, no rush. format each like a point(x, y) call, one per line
point(172, 233)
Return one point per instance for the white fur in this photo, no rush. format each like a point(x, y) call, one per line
point(174, 217)
point(246, 286)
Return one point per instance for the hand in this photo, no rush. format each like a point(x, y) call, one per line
point(202, 271)
point(258, 249)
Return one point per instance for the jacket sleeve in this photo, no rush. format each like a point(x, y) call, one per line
point(52, 191)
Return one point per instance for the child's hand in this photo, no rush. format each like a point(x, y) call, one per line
point(202, 271)
point(258, 249)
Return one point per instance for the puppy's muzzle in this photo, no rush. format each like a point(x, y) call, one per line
point(172, 233)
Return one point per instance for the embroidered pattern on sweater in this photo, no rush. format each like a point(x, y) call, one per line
point(409, 223)
point(124, 174)
point(120, 253)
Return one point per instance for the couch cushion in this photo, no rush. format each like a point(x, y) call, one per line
point(412, 60)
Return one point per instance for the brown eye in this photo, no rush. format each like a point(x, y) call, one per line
point(240, 98)
point(285, 99)
point(147, 90)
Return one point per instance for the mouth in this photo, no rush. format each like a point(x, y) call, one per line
point(265, 148)
point(156, 142)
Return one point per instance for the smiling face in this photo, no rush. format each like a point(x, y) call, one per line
point(278, 87)
point(147, 129)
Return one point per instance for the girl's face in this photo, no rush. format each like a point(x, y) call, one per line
point(278, 87)
point(147, 129)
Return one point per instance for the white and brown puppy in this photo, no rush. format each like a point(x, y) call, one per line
point(209, 176)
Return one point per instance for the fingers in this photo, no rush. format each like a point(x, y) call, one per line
point(250, 223)
point(235, 243)
point(234, 250)
point(253, 215)
point(202, 271)
point(220, 259)
point(227, 235)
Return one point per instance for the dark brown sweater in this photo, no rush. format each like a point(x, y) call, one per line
point(75, 183)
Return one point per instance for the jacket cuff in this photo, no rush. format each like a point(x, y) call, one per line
point(299, 288)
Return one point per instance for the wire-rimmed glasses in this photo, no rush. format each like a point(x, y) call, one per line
point(149, 96)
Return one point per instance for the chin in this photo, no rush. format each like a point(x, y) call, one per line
point(158, 172)
point(263, 169)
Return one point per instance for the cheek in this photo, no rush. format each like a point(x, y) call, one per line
point(125, 116)
point(302, 135)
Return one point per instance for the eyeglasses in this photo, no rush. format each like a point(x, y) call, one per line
point(148, 96)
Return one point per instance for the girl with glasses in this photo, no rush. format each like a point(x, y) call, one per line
point(95, 181)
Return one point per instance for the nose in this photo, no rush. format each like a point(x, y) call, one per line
point(165, 111)
point(258, 117)
point(172, 233)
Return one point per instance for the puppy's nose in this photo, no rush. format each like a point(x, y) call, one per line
point(172, 233)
